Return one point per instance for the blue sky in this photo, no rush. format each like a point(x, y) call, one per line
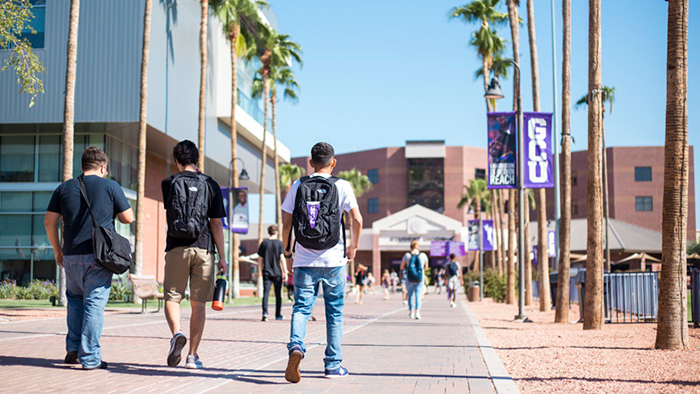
point(378, 73)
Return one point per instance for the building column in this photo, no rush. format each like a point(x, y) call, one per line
point(376, 257)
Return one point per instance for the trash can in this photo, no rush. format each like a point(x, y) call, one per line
point(473, 293)
point(553, 276)
point(695, 296)
point(581, 286)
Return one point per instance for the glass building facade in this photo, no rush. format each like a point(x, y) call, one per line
point(426, 183)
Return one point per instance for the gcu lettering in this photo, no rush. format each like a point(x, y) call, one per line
point(537, 150)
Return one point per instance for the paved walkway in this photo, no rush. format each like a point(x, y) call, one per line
point(383, 349)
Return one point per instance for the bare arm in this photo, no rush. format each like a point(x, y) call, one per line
point(126, 217)
point(51, 226)
point(283, 267)
point(217, 232)
point(286, 226)
point(356, 228)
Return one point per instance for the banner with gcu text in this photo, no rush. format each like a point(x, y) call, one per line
point(501, 150)
point(537, 143)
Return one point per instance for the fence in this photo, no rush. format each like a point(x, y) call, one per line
point(631, 297)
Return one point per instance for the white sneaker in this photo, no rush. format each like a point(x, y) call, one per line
point(193, 362)
point(418, 316)
point(453, 305)
point(405, 302)
point(412, 315)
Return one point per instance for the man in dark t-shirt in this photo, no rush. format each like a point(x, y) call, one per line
point(87, 282)
point(191, 259)
point(274, 266)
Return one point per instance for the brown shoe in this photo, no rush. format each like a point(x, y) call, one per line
point(292, 374)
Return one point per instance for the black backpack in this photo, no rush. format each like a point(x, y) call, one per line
point(188, 205)
point(452, 269)
point(317, 218)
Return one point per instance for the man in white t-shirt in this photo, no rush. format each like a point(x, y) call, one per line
point(320, 268)
point(453, 272)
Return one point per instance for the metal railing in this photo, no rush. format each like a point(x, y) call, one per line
point(631, 297)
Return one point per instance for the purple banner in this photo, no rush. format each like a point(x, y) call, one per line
point(456, 247)
point(488, 235)
point(438, 248)
point(539, 167)
point(501, 151)
point(239, 218)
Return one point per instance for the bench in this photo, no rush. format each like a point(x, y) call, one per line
point(146, 288)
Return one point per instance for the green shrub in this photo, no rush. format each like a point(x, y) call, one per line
point(120, 292)
point(8, 289)
point(37, 290)
point(494, 284)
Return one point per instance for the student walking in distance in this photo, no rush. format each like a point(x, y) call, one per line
point(194, 208)
point(271, 254)
point(415, 263)
point(453, 271)
point(386, 283)
point(313, 208)
point(360, 283)
point(87, 282)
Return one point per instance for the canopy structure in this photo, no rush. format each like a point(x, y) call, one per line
point(639, 256)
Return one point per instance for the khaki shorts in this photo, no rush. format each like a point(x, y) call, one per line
point(183, 263)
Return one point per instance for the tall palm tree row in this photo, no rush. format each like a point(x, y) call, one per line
point(514, 21)
point(276, 51)
point(672, 328)
point(542, 255)
point(69, 117)
point(593, 305)
point(203, 24)
point(239, 19)
point(486, 41)
point(143, 119)
point(561, 315)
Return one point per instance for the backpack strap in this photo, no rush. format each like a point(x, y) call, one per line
point(83, 192)
point(291, 228)
point(333, 179)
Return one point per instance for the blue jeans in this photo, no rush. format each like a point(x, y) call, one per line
point(307, 281)
point(87, 290)
point(415, 295)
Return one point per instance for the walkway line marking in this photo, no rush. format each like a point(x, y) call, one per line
point(501, 380)
point(355, 328)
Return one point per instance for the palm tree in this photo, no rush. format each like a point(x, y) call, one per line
point(543, 256)
point(69, 117)
point(672, 328)
point(288, 174)
point(486, 41)
point(514, 21)
point(143, 114)
point(277, 51)
point(529, 194)
point(360, 184)
point(202, 77)
point(593, 308)
point(562, 309)
point(609, 96)
point(283, 77)
point(235, 14)
point(475, 195)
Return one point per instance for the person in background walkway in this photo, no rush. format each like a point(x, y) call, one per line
point(415, 263)
point(370, 283)
point(191, 259)
point(454, 279)
point(87, 282)
point(290, 286)
point(394, 281)
point(439, 279)
point(386, 283)
point(271, 252)
point(360, 283)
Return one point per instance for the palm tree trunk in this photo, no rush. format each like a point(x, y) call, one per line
point(143, 118)
point(263, 162)
point(202, 78)
point(526, 252)
point(593, 308)
point(278, 196)
point(69, 117)
point(235, 272)
point(563, 281)
point(485, 68)
point(510, 270)
point(672, 328)
point(606, 196)
point(515, 39)
point(496, 229)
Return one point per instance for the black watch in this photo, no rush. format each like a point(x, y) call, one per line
point(288, 256)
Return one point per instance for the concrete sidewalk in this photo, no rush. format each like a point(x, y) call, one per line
point(383, 349)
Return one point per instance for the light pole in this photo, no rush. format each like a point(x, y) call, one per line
point(494, 92)
point(243, 177)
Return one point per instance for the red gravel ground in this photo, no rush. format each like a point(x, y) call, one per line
point(17, 314)
point(546, 357)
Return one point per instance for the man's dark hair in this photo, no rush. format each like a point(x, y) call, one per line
point(321, 154)
point(186, 153)
point(452, 256)
point(271, 230)
point(94, 158)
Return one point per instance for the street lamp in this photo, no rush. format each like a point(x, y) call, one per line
point(243, 177)
point(494, 92)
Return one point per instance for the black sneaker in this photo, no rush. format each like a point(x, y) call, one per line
point(71, 358)
point(176, 344)
point(264, 318)
point(292, 373)
point(103, 365)
point(279, 317)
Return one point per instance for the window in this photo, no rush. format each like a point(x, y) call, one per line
point(574, 209)
point(642, 174)
point(426, 183)
point(479, 173)
point(574, 181)
point(17, 158)
point(373, 175)
point(373, 205)
point(644, 204)
point(36, 39)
